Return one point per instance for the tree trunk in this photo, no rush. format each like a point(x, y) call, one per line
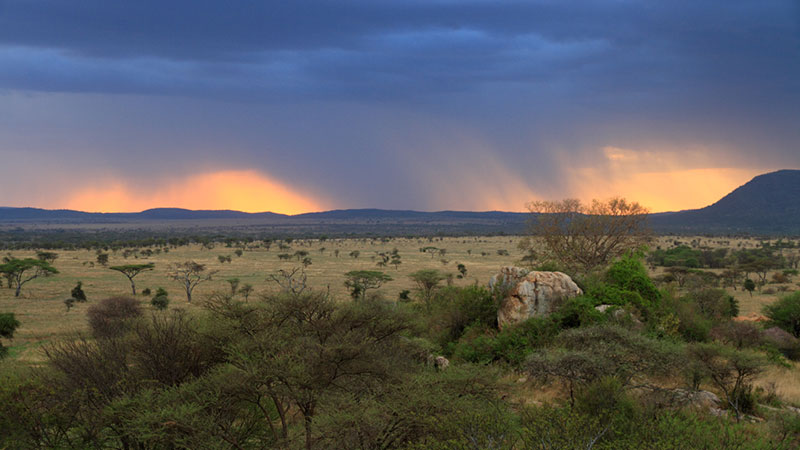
point(307, 423)
point(16, 294)
point(133, 287)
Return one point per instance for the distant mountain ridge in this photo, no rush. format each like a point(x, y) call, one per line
point(767, 204)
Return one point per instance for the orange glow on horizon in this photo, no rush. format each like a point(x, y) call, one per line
point(662, 191)
point(240, 190)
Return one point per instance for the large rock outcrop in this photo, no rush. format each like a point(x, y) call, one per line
point(530, 294)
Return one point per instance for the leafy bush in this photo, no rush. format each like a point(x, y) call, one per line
point(577, 312)
point(77, 293)
point(714, 304)
point(605, 397)
point(629, 274)
point(160, 301)
point(8, 324)
point(511, 345)
point(785, 313)
point(453, 309)
point(110, 317)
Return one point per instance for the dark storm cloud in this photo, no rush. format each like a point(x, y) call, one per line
point(363, 47)
point(534, 84)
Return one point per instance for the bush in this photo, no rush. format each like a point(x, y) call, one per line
point(785, 313)
point(146, 292)
point(512, 345)
point(577, 312)
point(693, 326)
point(625, 283)
point(453, 309)
point(111, 316)
point(160, 302)
point(737, 334)
point(77, 293)
point(714, 304)
point(629, 274)
point(605, 397)
point(8, 324)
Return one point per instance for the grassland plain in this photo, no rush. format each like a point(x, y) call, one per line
point(41, 310)
point(44, 317)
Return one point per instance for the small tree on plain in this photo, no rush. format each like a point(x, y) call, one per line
point(246, 290)
point(427, 281)
point(749, 286)
point(234, 283)
point(47, 256)
point(102, 259)
point(189, 274)
point(359, 281)
point(20, 271)
point(131, 270)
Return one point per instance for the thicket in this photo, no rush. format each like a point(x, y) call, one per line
point(299, 369)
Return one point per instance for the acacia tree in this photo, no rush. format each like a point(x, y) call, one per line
point(427, 281)
point(297, 349)
point(20, 271)
point(732, 371)
point(189, 274)
point(359, 281)
point(131, 270)
point(583, 238)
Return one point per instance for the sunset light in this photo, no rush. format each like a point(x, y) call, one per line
point(240, 190)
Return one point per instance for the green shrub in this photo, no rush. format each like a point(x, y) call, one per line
point(629, 274)
point(577, 312)
point(714, 304)
point(605, 397)
point(160, 302)
point(511, 345)
point(785, 313)
point(8, 324)
point(453, 309)
point(77, 293)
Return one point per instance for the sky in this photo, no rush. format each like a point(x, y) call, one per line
point(297, 106)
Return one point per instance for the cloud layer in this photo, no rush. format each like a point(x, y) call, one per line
point(401, 104)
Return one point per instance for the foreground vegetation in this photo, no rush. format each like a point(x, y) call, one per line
point(394, 343)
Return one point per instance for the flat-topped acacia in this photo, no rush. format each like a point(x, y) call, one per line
point(20, 271)
point(131, 270)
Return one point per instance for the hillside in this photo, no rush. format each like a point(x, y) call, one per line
point(767, 204)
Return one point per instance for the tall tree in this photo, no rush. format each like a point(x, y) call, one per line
point(131, 270)
point(583, 238)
